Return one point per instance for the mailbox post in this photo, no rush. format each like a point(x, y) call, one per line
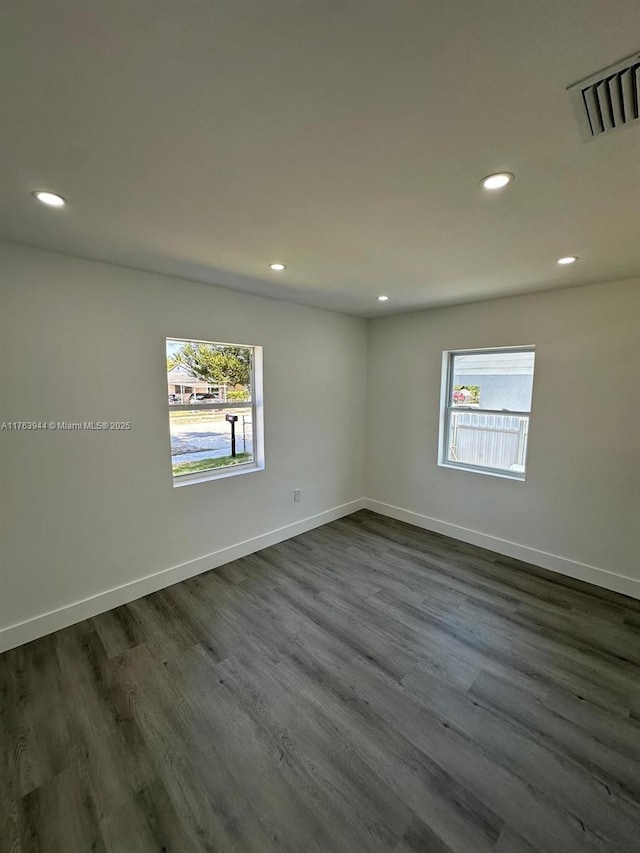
point(232, 420)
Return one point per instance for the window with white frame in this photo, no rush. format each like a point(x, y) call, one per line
point(215, 409)
point(485, 410)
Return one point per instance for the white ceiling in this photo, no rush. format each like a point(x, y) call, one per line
point(345, 138)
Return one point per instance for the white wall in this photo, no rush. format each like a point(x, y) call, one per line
point(579, 509)
point(86, 512)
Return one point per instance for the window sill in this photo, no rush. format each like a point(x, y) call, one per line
point(206, 476)
point(519, 476)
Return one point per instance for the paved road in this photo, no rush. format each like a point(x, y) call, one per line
point(206, 440)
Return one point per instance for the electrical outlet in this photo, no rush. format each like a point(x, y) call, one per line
point(297, 495)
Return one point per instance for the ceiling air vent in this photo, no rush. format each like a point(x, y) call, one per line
point(608, 100)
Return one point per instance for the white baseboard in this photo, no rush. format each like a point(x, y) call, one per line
point(54, 620)
point(562, 565)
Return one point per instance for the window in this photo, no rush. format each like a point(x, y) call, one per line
point(486, 405)
point(215, 409)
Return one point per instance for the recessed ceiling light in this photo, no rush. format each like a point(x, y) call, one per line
point(383, 298)
point(52, 199)
point(497, 181)
point(277, 267)
point(570, 259)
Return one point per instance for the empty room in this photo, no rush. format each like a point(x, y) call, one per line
point(320, 426)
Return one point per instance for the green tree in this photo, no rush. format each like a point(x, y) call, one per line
point(215, 364)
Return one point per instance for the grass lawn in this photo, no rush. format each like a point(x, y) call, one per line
point(208, 464)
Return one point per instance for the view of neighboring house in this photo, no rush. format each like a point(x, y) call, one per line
point(184, 387)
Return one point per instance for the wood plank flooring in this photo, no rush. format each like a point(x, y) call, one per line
point(367, 686)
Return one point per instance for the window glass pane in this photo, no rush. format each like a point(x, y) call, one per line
point(205, 373)
point(487, 440)
point(493, 380)
point(211, 412)
point(201, 439)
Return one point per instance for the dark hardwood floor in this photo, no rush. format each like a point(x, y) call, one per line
point(367, 686)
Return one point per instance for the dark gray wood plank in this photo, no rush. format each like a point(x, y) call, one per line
point(420, 839)
point(60, 815)
point(37, 741)
point(119, 630)
point(609, 753)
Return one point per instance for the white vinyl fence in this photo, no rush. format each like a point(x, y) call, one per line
point(493, 441)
